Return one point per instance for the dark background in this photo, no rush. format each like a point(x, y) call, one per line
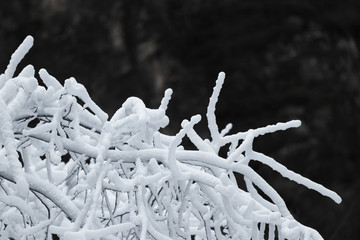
point(284, 60)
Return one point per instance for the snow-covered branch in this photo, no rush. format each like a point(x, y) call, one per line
point(67, 169)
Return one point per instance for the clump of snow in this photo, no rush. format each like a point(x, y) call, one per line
point(66, 169)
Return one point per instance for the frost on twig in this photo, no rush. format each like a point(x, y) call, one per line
point(66, 169)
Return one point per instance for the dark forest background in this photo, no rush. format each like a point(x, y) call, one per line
point(284, 60)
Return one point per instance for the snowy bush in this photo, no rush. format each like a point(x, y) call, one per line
point(67, 170)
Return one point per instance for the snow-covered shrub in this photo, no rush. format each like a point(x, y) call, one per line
point(67, 170)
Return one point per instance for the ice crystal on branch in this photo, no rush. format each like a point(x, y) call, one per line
point(67, 170)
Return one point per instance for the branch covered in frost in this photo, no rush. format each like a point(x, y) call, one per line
point(66, 169)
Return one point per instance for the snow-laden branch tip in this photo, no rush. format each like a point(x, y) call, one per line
point(211, 117)
point(66, 169)
point(15, 59)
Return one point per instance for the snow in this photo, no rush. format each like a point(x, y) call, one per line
point(123, 178)
point(17, 202)
point(16, 57)
point(98, 233)
point(27, 72)
point(214, 130)
point(78, 90)
point(166, 99)
point(178, 139)
point(7, 139)
point(49, 80)
point(295, 176)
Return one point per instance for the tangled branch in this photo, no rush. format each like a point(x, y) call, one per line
point(66, 169)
